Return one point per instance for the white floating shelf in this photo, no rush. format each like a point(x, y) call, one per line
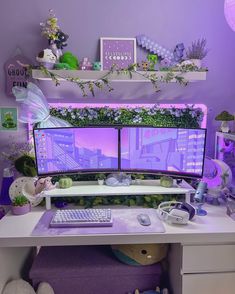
point(92, 75)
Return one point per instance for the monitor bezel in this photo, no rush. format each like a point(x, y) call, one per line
point(119, 169)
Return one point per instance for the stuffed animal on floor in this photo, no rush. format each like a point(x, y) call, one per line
point(22, 287)
point(157, 291)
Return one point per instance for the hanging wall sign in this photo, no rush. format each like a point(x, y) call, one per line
point(117, 51)
point(16, 73)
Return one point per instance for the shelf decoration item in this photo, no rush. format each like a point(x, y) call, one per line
point(179, 52)
point(86, 64)
point(166, 181)
point(97, 65)
point(20, 205)
point(196, 52)
point(65, 183)
point(152, 58)
point(8, 119)
point(229, 12)
point(46, 58)
point(224, 117)
point(16, 73)
point(100, 178)
point(34, 108)
point(68, 61)
point(120, 52)
point(7, 180)
point(56, 38)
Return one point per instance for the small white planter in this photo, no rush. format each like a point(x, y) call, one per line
point(196, 62)
point(100, 182)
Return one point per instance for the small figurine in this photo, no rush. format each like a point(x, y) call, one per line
point(47, 58)
point(179, 52)
point(145, 65)
point(86, 64)
point(152, 58)
point(97, 65)
point(60, 40)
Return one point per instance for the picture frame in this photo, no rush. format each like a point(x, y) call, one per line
point(118, 51)
point(8, 119)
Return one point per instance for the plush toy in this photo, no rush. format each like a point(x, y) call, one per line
point(22, 287)
point(65, 183)
point(68, 61)
point(60, 40)
point(47, 58)
point(43, 184)
point(157, 291)
point(140, 254)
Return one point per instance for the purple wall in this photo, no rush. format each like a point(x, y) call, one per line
point(168, 22)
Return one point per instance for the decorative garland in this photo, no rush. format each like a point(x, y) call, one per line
point(188, 117)
point(104, 82)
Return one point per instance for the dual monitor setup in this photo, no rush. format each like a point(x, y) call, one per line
point(178, 152)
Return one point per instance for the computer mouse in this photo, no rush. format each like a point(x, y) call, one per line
point(144, 219)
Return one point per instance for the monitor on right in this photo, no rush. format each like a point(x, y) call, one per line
point(174, 151)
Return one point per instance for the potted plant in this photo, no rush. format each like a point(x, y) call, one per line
point(197, 52)
point(137, 178)
point(224, 117)
point(100, 178)
point(20, 205)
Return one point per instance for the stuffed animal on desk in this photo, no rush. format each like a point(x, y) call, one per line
point(43, 184)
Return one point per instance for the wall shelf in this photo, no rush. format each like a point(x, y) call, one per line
point(91, 75)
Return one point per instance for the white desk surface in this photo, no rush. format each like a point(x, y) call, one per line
point(216, 227)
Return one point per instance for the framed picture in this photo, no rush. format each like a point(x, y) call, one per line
point(117, 51)
point(8, 119)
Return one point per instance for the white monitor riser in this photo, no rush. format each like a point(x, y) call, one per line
point(91, 188)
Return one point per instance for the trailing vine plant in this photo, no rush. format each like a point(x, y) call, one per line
point(103, 83)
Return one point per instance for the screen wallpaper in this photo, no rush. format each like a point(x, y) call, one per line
point(163, 149)
point(75, 149)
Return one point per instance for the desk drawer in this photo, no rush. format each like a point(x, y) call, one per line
point(208, 258)
point(209, 283)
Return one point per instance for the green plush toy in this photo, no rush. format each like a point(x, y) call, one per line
point(166, 181)
point(68, 60)
point(65, 183)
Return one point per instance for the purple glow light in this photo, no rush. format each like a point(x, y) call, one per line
point(229, 12)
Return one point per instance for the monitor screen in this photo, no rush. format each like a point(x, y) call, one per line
point(69, 150)
point(175, 151)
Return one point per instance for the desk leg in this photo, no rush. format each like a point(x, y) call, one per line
point(187, 197)
point(48, 203)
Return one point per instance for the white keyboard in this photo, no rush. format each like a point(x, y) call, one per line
point(82, 218)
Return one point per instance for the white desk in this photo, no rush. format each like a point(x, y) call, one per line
point(202, 252)
point(147, 187)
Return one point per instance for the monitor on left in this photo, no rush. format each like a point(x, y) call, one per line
point(70, 150)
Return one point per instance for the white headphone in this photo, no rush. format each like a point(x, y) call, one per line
point(175, 212)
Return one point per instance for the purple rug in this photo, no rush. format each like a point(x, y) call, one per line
point(124, 222)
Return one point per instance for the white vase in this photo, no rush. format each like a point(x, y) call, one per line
point(100, 182)
point(196, 62)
